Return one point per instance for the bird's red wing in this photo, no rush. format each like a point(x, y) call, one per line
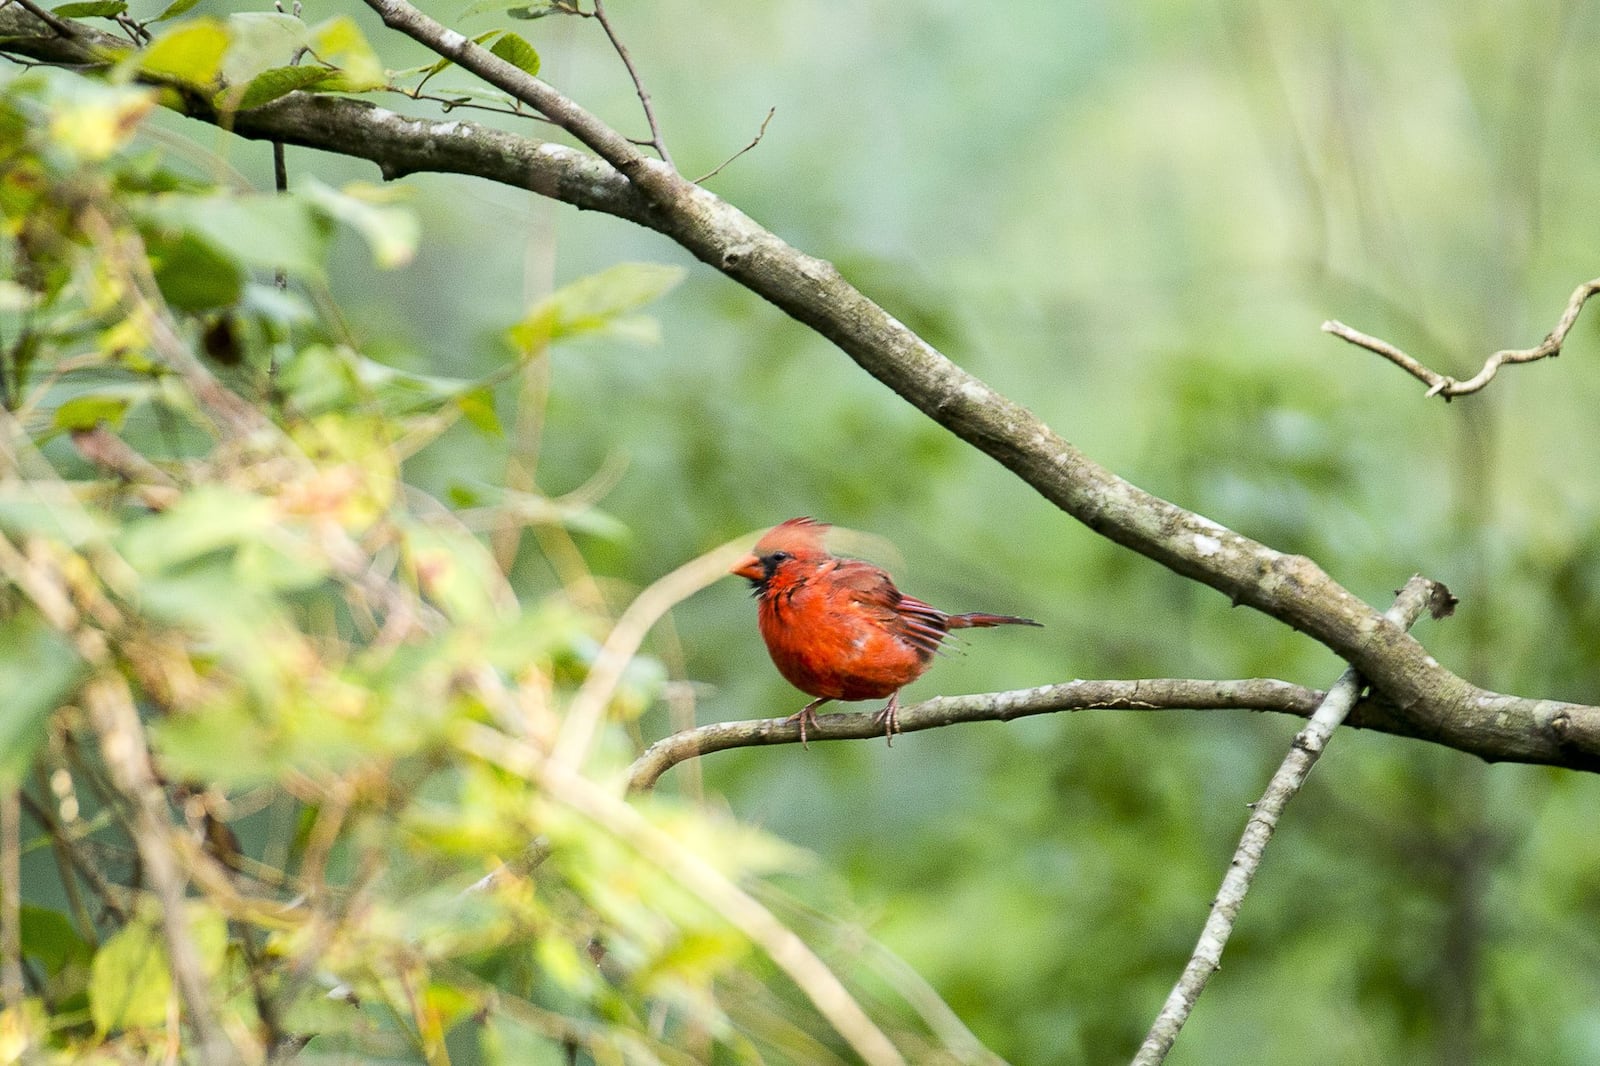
point(921, 626)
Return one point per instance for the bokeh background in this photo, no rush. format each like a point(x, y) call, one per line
point(1132, 218)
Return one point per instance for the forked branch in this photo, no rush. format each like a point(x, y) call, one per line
point(1418, 595)
point(1443, 385)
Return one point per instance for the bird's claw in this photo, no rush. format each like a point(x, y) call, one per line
point(806, 714)
point(889, 718)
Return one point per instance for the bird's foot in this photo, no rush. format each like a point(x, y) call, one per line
point(806, 714)
point(889, 718)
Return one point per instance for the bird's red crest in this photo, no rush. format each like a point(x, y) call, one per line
point(797, 536)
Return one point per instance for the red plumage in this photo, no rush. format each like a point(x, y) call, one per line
point(838, 629)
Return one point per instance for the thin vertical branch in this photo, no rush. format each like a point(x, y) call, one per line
point(111, 709)
point(11, 990)
point(588, 706)
point(657, 141)
point(1418, 594)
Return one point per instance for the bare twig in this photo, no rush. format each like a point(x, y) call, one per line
point(1443, 385)
point(656, 140)
point(67, 860)
point(1160, 694)
point(583, 719)
point(11, 989)
point(1418, 595)
point(760, 133)
point(657, 182)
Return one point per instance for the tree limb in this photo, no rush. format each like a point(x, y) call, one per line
point(1434, 703)
point(1441, 385)
point(1159, 694)
point(1418, 595)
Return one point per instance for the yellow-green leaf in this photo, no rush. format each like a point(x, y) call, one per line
point(598, 303)
point(129, 982)
point(91, 9)
point(91, 409)
point(174, 9)
point(130, 979)
point(191, 53)
point(340, 43)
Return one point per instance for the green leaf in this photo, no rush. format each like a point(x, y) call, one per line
point(39, 668)
point(91, 409)
point(128, 980)
point(275, 82)
point(391, 232)
point(262, 231)
point(340, 43)
point(191, 53)
point(596, 304)
point(104, 9)
point(477, 407)
point(517, 9)
point(516, 51)
point(194, 275)
point(49, 937)
point(203, 521)
point(263, 40)
point(174, 9)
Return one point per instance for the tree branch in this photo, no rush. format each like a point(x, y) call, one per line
point(1418, 595)
point(1434, 703)
point(1441, 385)
point(1160, 694)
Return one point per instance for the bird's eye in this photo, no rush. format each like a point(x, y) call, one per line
point(778, 557)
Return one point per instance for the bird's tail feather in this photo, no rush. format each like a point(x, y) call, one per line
point(984, 621)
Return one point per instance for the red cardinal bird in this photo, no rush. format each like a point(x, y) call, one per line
point(838, 629)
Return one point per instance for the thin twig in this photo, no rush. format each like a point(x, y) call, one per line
point(66, 859)
point(760, 133)
point(1418, 595)
point(657, 142)
point(662, 184)
point(588, 706)
point(11, 988)
point(1151, 694)
point(1443, 385)
point(110, 707)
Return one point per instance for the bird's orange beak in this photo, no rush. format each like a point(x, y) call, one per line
point(749, 567)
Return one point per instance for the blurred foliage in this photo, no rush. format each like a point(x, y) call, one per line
point(204, 513)
point(1131, 218)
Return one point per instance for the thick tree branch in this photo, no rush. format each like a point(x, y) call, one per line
point(1419, 595)
point(1434, 703)
point(1441, 385)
